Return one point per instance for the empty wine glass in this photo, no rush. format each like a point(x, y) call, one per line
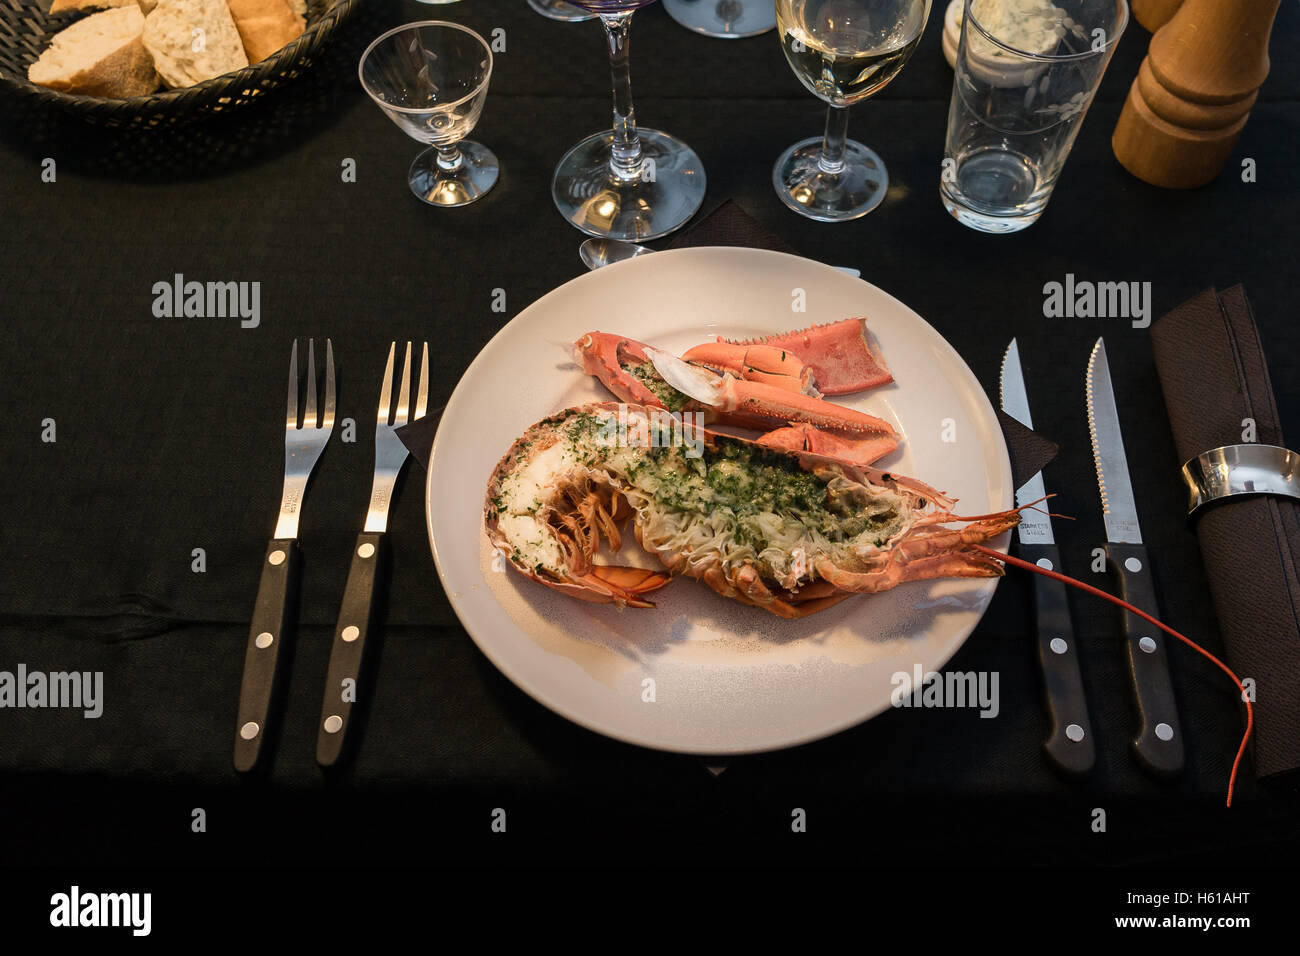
point(724, 19)
point(559, 10)
point(843, 51)
point(628, 183)
point(431, 78)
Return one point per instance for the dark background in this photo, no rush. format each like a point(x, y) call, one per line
point(169, 439)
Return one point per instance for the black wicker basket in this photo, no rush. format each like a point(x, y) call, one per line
point(26, 28)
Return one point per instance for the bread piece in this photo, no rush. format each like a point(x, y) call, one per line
point(60, 6)
point(101, 55)
point(169, 35)
point(264, 26)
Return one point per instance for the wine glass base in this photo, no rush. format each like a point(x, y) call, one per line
point(566, 12)
point(436, 186)
point(663, 199)
point(852, 193)
point(725, 19)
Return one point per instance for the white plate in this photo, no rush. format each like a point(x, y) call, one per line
point(726, 678)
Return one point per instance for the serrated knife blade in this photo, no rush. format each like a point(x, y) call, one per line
point(1119, 509)
point(1035, 526)
point(1158, 743)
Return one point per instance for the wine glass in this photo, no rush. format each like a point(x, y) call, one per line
point(843, 51)
point(431, 78)
point(627, 183)
point(559, 10)
point(724, 19)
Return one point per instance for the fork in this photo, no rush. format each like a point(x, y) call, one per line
point(273, 612)
point(357, 612)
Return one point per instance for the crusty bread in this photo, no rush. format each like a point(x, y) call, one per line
point(264, 26)
point(169, 34)
point(101, 55)
point(60, 6)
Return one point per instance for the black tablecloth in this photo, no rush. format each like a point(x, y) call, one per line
point(168, 439)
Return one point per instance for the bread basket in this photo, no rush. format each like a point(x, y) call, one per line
point(26, 29)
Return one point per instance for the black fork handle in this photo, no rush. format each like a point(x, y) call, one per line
point(273, 619)
point(356, 620)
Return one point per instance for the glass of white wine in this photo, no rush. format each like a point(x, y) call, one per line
point(843, 51)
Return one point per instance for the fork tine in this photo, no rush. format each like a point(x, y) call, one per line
point(404, 393)
point(291, 416)
point(329, 385)
point(422, 396)
point(309, 413)
point(386, 390)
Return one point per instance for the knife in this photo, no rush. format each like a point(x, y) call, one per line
point(1069, 744)
point(1159, 741)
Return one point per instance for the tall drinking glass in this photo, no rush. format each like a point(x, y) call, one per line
point(559, 10)
point(724, 19)
point(627, 183)
point(843, 51)
point(1026, 74)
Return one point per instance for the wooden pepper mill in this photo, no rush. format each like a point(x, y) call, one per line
point(1153, 14)
point(1194, 91)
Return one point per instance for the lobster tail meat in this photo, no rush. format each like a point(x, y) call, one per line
point(790, 531)
point(839, 354)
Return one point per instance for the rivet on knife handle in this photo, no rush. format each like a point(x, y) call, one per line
point(272, 623)
point(356, 619)
point(1069, 745)
point(1159, 741)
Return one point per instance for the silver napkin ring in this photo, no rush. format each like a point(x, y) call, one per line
point(1249, 469)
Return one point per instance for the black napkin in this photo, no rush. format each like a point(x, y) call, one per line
point(729, 225)
point(1213, 373)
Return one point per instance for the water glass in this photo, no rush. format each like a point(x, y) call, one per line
point(1026, 74)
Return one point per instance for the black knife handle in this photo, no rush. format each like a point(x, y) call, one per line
point(272, 622)
point(356, 618)
point(1159, 741)
point(1069, 744)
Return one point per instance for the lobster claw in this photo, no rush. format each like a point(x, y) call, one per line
point(801, 422)
point(756, 363)
point(855, 437)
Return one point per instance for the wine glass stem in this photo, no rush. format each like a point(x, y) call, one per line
point(831, 160)
point(449, 158)
point(625, 159)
